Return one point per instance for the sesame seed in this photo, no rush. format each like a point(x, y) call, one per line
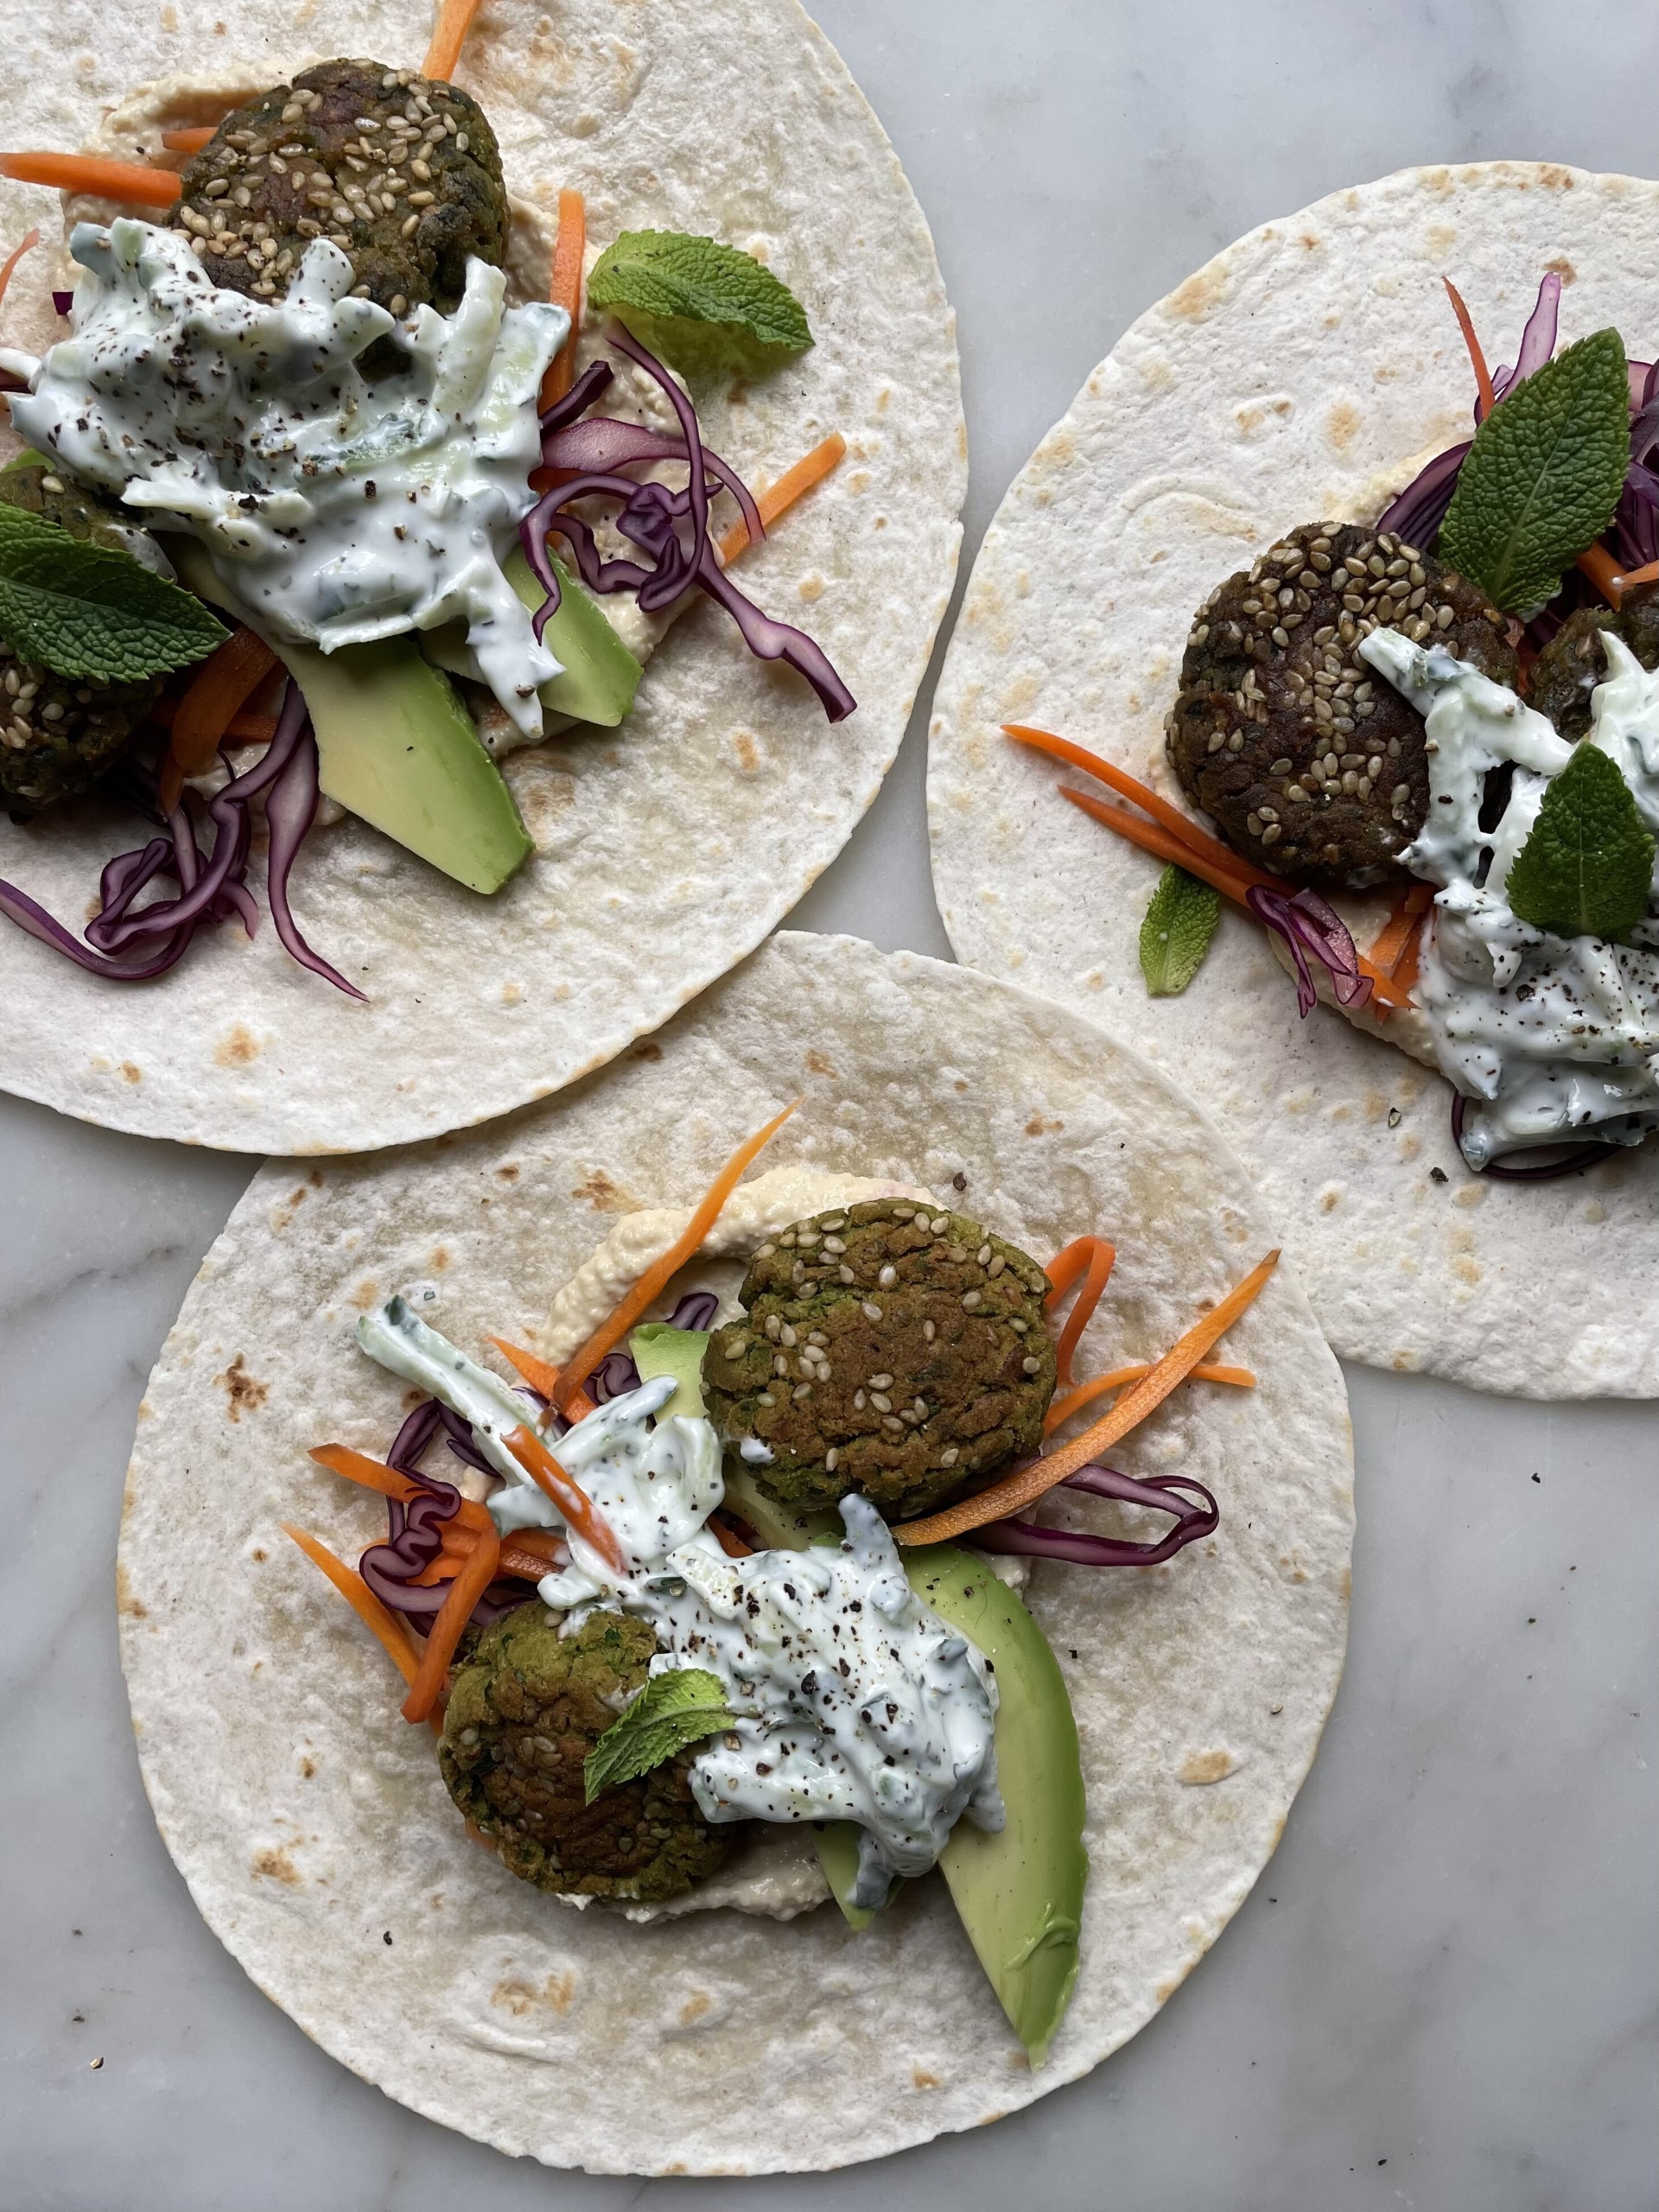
point(888, 1277)
point(831, 1459)
point(882, 1403)
point(948, 1459)
point(970, 1299)
point(870, 1312)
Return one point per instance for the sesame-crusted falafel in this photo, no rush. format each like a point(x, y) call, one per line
point(1573, 663)
point(403, 174)
point(59, 733)
point(524, 1714)
point(888, 1348)
point(1309, 763)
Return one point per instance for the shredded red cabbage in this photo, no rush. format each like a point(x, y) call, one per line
point(1571, 1157)
point(1195, 1514)
point(212, 885)
point(63, 302)
point(1309, 924)
point(616, 1373)
point(670, 527)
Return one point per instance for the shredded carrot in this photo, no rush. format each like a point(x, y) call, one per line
point(1405, 918)
point(190, 141)
point(728, 1539)
point(573, 1501)
point(527, 1553)
point(468, 1586)
point(130, 181)
point(1091, 1258)
point(1169, 817)
point(243, 728)
point(779, 497)
point(216, 690)
point(1649, 575)
point(570, 248)
point(1405, 968)
point(1063, 1409)
point(1025, 1485)
point(374, 1474)
point(1385, 993)
point(543, 1378)
point(394, 1636)
point(622, 1316)
point(28, 240)
point(1478, 359)
point(449, 36)
point(1599, 564)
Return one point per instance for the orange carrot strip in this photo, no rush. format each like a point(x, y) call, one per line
point(527, 1553)
point(393, 1636)
point(1385, 993)
point(1404, 918)
point(130, 181)
point(374, 1474)
point(1634, 576)
point(777, 499)
point(542, 1378)
point(1025, 1485)
point(449, 36)
point(190, 141)
point(1098, 1386)
point(1478, 359)
point(1169, 817)
point(1092, 1257)
point(1405, 968)
point(573, 1501)
point(565, 291)
point(215, 692)
point(622, 1316)
point(728, 1539)
point(468, 1586)
point(1599, 564)
point(245, 728)
point(29, 238)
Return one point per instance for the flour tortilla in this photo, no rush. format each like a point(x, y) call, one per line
point(667, 849)
point(1306, 372)
point(309, 1819)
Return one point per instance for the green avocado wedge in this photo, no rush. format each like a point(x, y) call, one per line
point(659, 1350)
point(395, 746)
point(598, 675)
point(1018, 1893)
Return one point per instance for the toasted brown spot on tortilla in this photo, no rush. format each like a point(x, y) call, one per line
point(124, 1601)
point(440, 1260)
point(307, 1768)
point(365, 1294)
point(747, 753)
point(241, 1388)
point(922, 2079)
point(600, 1193)
point(509, 1171)
point(1037, 1127)
point(1342, 425)
point(238, 1048)
point(1564, 268)
point(1193, 300)
point(649, 1051)
point(133, 1072)
point(697, 2007)
point(275, 1865)
point(816, 1062)
point(1201, 1768)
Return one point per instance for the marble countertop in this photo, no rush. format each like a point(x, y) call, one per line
point(1441, 1994)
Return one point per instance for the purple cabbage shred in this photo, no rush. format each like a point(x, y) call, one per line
point(668, 527)
point(1309, 924)
point(1193, 1507)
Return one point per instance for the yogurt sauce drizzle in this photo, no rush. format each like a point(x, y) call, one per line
point(1550, 1037)
point(335, 510)
point(853, 1701)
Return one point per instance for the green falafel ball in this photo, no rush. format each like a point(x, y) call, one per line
point(524, 1714)
point(888, 1348)
point(403, 174)
point(59, 733)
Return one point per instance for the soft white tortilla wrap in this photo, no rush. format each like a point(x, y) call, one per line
point(310, 1821)
point(665, 849)
point(1305, 373)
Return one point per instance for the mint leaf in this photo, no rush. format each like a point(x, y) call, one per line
point(89, 611)
point(1542, 477)
point(705, 308)
point(1586, 869)
point(670, 1712)
point(1177, 931)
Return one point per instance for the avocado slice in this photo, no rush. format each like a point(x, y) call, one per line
point(598, 677)
point(395, 745)
point(837, 1842)
point(1018, 1893)
point(659, 1350)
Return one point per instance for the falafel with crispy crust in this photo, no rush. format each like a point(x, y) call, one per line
point(524, 1712)
point(403, 174)
point(59, 735)
point(1307, 761)
point(1573, 663)
point(889, 1348)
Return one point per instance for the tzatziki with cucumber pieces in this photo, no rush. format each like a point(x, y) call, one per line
point(319, 512)
point(719, 1605)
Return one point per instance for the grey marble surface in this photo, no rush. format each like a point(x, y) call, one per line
point(1442, 1993)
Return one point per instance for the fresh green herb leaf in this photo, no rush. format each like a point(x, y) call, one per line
point(89, 611)
point(1586, 869)
point(1176, 933)
point(671, 1711)
point(705, 308)
point(1543, 476)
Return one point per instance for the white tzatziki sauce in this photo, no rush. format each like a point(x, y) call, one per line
point(335, 510)
point(852, 1701)
point(1548, 1038)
